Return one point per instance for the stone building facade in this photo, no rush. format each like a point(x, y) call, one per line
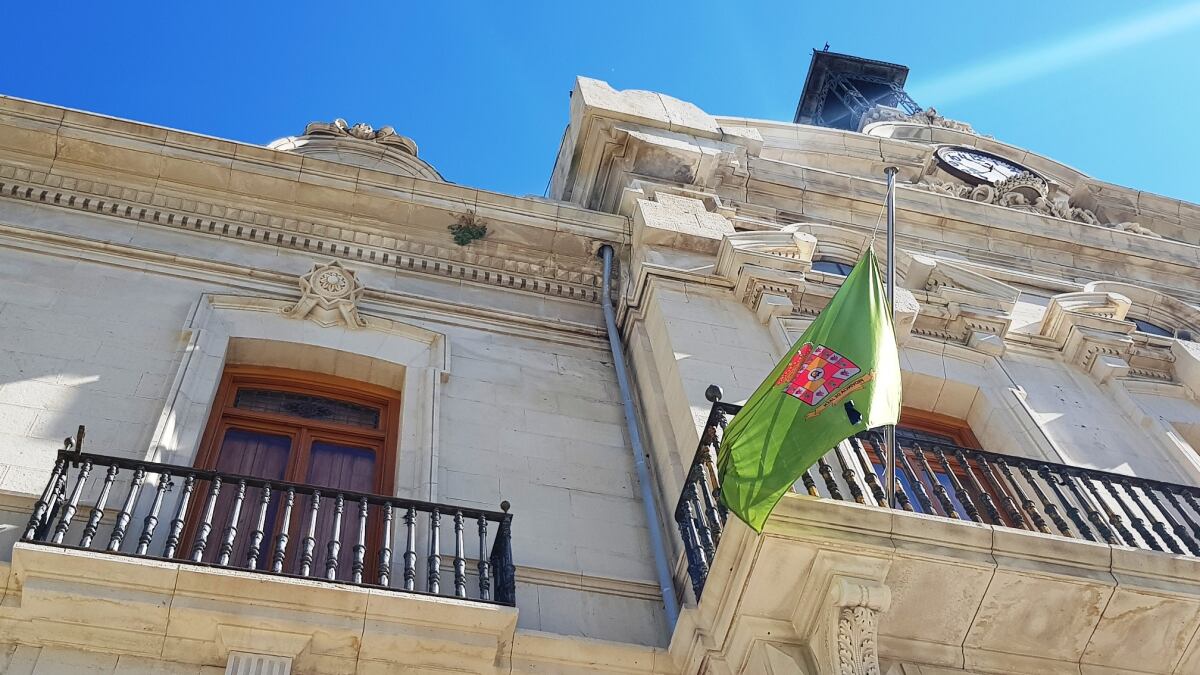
point(310, 374)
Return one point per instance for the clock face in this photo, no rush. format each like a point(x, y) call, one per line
point(977, 166)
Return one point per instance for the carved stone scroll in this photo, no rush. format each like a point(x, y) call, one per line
point(855, 641)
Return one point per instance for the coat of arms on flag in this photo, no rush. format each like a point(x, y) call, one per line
point(815, 372)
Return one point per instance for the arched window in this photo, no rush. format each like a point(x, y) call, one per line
point(832, 267)
point(297, 427)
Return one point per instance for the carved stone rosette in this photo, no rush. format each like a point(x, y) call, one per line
point(329, 295)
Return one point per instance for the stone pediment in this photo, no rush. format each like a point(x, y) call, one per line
point(958, 303)
point(768, 270)
point(1090, 330)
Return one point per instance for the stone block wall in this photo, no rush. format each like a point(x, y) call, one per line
point(536, 422)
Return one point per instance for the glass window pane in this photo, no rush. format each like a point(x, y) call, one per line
point(832, 267)
point(308, 407)
point(1151, 328)
point(924, 438)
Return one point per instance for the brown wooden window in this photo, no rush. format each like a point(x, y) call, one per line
point(930, 430)
point(285, 425)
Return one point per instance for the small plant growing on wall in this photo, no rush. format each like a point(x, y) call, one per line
point(468, 228)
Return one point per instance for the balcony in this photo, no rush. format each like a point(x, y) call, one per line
point(989, 562)
point(193, 565)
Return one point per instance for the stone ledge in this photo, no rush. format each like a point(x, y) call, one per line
point(984, 597)
point(191, 614)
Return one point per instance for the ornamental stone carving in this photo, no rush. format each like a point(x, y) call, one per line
point(1027, 192)
point(928, 117)
point(855, 641)
point(329, 295)
point(364, 132)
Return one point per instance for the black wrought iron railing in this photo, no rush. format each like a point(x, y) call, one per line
point(939, 478)
point(225, 520)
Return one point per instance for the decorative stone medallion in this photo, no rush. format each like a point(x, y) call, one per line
point(329, 295)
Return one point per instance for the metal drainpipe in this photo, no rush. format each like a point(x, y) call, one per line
point(665, 583)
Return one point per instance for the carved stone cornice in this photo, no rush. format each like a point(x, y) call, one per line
point(342, 241)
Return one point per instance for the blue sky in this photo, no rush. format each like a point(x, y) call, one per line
point(1111, 88)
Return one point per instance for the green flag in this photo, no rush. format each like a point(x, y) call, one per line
point(841, 377)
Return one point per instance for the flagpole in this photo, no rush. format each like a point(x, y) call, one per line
point(890, 432)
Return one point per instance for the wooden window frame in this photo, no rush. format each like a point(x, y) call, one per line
point(961, 435)
point(224, 415)
point(937, 423)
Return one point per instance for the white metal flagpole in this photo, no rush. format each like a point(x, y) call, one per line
point(890, 432)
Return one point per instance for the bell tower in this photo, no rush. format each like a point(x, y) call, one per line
point(840, 89)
